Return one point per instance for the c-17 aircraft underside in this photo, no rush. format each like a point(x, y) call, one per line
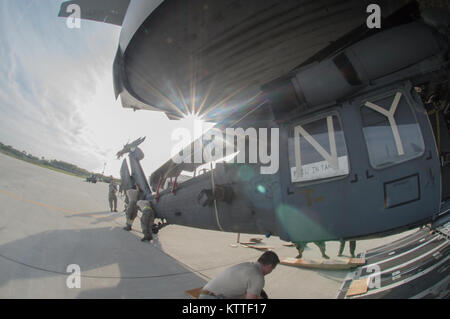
point(361, 113)
point(211, 58)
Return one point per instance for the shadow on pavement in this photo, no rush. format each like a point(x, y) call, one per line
point(113, 263)
point(107, 216)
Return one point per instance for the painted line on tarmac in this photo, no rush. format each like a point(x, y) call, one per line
point(55, 208)
point(12, 195)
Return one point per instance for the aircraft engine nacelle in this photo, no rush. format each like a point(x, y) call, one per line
point(355, 67)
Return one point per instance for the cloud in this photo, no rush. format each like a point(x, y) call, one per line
point(48, 72)
point(56, 92)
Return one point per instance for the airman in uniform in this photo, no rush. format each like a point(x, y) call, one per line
point(131, 213)
point(112, 197)
point(147, 219)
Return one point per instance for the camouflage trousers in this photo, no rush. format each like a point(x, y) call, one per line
point(302, 245)
point(112, 202)
point(133, 196)
point(147, 219)
point(352, 247)
point(131, 212)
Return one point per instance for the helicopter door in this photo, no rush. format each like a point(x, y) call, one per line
point(382, 175)
point(316, 178)
point(401, 175)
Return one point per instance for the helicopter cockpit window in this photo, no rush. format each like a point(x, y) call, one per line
point(391, 131)
point(317, 150)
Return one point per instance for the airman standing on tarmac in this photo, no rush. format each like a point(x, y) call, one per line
point(112, 196)
point(133, 196)
point(147, 219)
point(301, 247)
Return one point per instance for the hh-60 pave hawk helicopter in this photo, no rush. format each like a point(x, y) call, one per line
point(362, 113)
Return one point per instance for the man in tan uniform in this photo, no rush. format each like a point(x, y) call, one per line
point(244, 280)
point(112, 198)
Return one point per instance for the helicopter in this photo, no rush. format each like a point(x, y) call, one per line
point(358, 116)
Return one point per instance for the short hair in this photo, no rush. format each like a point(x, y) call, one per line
point(269, 258)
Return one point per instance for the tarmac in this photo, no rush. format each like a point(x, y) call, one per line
point(51, 220)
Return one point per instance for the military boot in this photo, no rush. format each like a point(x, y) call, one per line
point(127, 227)
point(147, 238)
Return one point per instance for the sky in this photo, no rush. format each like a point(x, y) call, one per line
point(56, 92)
